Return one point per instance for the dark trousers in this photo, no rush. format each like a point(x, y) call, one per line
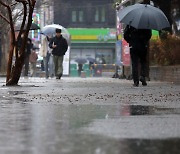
point(138, 57)
point(26, 65)
point(46, 64)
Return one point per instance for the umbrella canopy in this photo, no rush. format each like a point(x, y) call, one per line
point(91, 59)
point(80, 60)
point(33, 27)
point(51, 29)
point(143, 16)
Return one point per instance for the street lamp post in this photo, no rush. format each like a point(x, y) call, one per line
point(116, 75)
point(118, 53)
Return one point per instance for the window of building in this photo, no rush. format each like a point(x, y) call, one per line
point(74, 16)
point(81, 16)
point(103, 15)
point(97, 15)
point(77, 16)
point(104, 56)
point(100, 14)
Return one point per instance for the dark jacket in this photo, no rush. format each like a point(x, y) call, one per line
point(61, 43)
point(137, 38)
point(28, 48)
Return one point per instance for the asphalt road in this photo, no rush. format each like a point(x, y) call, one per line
point(89, 116)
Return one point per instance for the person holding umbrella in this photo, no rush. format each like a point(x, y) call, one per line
point(45, 52)
point(59, 46)
point(138, 42)
point(140, 18)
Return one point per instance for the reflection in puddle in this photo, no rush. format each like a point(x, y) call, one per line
point(10, 100)
point(16, 92)
point(147, 110)
point(11, 97)
point(154, 146)
point(47, 128)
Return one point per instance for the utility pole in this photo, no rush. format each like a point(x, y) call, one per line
point(118, 56)
point(0, 51)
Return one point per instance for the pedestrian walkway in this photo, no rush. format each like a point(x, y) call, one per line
point(89, 116)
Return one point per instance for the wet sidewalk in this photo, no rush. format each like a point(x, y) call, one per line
point(89, 116)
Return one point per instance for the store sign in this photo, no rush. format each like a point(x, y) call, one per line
point(119, 53)
point(92, 34)
point(126, 53)
point(36, 33)
point(66, 62)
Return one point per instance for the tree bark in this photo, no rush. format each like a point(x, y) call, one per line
point(14, 70)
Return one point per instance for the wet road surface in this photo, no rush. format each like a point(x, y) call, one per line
point(89, 116)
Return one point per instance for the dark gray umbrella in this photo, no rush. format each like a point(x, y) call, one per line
point(80, 60)
point(91, 59)
point(143, 16)
point(33, 27)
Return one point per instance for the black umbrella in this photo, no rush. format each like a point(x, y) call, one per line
point(143, 16)
point(80, 60)
point(33, 27)
point(35, 47)
point(91, 59)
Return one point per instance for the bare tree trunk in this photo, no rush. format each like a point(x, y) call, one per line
point(4, 43)
point(4, 52)
point(14, 70)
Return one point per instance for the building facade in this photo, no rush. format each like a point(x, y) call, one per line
point(91, 24)
point(84, 14)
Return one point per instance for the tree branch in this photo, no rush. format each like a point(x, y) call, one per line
point(4, 4)
point(21, 1)
point(24, 19)
point(31, 7)
point(2, 16)
point(13, 4)
point(13, 40)
point(6, 19)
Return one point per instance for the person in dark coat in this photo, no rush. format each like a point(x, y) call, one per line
point(28, 49)
point(59, 46)
point(138, 42)
point(27, 54)
point(80, 68)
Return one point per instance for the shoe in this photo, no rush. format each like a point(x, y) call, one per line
point(136, 84)
point(52, 75)
point(60, 75)
point(143, 80)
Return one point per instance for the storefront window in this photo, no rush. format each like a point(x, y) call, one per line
point(104, 57)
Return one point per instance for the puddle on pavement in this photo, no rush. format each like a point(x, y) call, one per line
point(47, 128)
point(147, 110)
point(10, 100)
point(15, 92)
point(9, 97)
